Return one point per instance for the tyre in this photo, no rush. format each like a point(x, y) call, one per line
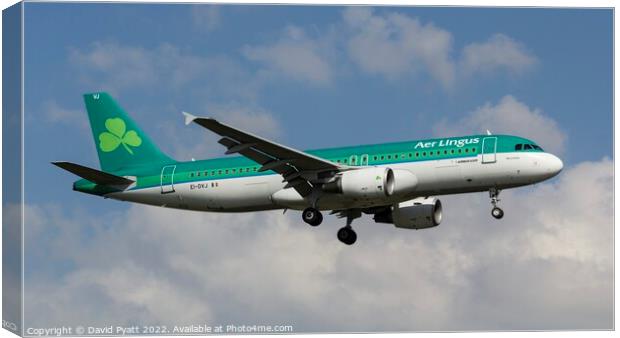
point(497, 213)
point(347, 236)
point(312, 216)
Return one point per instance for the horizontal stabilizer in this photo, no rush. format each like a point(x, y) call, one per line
point(93, 175)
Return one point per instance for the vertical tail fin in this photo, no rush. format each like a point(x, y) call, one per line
point(120, 142)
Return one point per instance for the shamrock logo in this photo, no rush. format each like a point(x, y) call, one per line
point(116, 135)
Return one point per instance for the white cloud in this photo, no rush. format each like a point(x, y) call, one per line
point(395, 45)
point(499, 52)
point(194, 141)
point(205, 17)
point(391, 45)
point(294, 55)
point(253, 119)
point(115, 67)
point(547, 265)
point(508, 116)
point(54, 113)
point(123, 66)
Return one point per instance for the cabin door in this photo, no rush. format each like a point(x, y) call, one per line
point(364, 160)
point(167, 181)
point(489, 149)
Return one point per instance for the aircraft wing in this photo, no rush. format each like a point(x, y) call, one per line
point(288, 162)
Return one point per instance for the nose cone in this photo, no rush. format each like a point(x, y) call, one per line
point(553, 165)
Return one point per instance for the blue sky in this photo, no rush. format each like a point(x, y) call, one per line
point(309, 77)
point(570, 80)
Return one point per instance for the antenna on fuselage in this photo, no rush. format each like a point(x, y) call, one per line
point(488, 132)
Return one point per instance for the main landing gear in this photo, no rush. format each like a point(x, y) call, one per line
point(346, 234)
point(496, 212)
point(312, 216)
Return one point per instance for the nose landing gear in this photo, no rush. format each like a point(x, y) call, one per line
point(496, 212)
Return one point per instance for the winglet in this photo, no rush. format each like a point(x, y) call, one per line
point(189, 118)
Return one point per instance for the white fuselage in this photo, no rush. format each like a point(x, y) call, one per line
point(435, 177)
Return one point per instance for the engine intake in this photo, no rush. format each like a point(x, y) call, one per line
point(418, 213)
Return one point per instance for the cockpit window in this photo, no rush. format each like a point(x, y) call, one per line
point(522, 147)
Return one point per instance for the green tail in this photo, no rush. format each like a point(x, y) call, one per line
point(120, 142)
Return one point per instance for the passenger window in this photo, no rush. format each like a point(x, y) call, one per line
point(374, 158)
point(191, 175)
point(451, 151)
point(417, 154)
point(518, 147)
point(445, 152)
point(219, 172)
point(423, 153)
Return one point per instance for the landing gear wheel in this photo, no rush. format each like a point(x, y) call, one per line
point(346, 235)
point(497, 213)
point(312, 216)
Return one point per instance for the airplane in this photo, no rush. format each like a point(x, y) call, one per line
point(396, 183)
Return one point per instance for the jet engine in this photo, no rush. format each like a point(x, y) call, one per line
point(373, 183)
point(369, 183)
point(418, 213)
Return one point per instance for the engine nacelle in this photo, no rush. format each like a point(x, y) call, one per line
point(405, 182)
point(418, 213)
point(367, 183)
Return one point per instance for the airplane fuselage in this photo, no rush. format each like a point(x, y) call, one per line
point(441, 166)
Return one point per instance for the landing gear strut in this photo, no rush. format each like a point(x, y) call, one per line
point(496, 212)
point(312, 216)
